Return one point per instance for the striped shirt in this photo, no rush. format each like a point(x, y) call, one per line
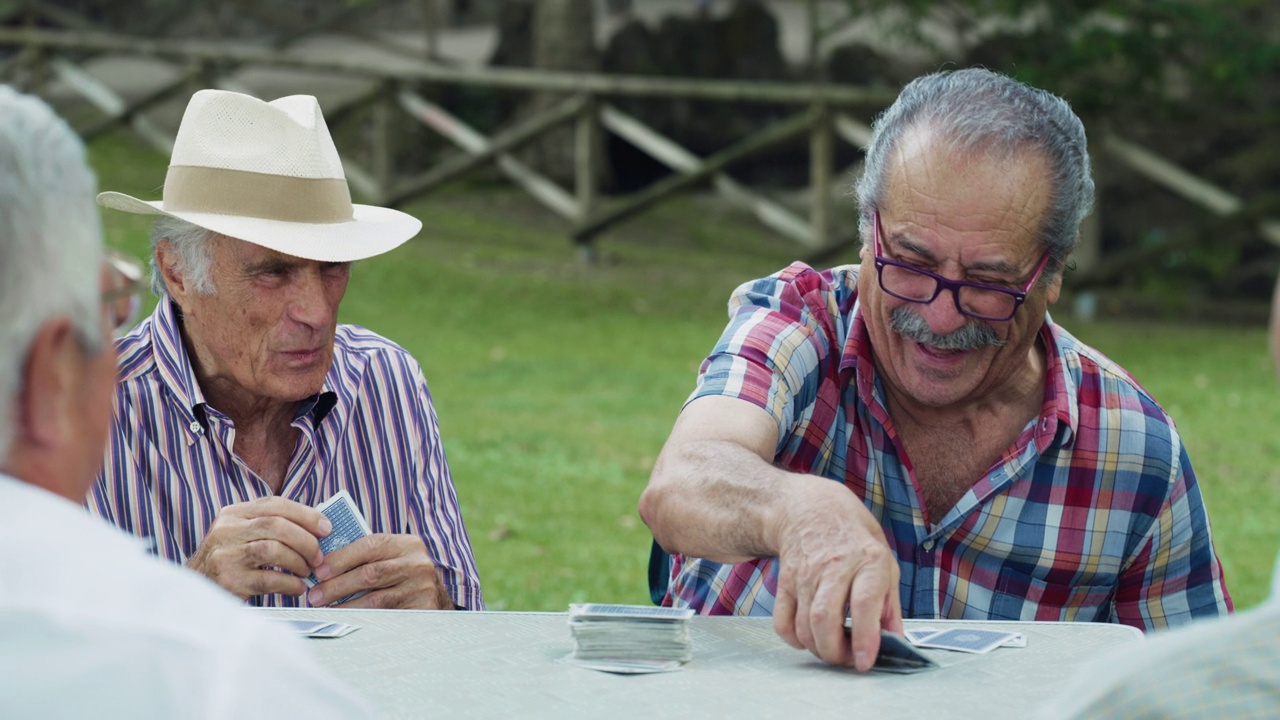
point(1093, 514)
point(371, 431)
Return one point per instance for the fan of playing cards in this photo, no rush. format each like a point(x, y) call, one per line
point(630, 639)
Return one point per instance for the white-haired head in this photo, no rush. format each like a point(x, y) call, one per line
point(50, 240)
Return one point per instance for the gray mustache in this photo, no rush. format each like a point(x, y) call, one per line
point(912, 325)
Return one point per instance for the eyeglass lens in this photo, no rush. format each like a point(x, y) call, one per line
point(910, 284)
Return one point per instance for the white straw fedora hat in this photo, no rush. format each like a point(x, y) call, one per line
point(268, 173)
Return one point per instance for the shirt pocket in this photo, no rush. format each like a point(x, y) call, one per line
point(1020, 596)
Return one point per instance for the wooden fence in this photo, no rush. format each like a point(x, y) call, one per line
point(820, 112)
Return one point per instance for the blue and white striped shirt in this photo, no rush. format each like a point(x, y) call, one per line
point(372, 431)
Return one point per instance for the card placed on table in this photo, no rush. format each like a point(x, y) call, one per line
point(318, 628)
point(920, 635)
point(348, 526)
point(970, 640)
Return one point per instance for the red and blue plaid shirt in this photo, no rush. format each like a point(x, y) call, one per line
point(1093, 514)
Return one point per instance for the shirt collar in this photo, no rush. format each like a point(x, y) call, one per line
point(177, 373)
point(1061, 393)
point(171, 357)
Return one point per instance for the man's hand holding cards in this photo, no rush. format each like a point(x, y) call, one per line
point(348, 526)
point(372, 570)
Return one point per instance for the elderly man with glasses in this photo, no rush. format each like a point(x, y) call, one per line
point(913, 436)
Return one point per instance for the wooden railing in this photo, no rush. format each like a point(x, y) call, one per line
point(821, 112)
point(819, 115)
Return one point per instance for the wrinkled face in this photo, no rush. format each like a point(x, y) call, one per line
point(266, 333)
point(964, 217)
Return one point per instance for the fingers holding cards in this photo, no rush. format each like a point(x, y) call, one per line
point(834, 562)
point(380, 571)
point(251, 548)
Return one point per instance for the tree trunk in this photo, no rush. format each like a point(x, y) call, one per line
point(563, 40)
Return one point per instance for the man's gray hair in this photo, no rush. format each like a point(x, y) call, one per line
point(193, 255)
point(50, 241)
point(979, 111)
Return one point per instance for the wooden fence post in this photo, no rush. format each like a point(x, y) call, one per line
point(821, 149)
point(34, 59)
point(431, 22)
point(381, 145)
point(586, 141)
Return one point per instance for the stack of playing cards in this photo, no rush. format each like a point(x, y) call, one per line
point(348, 527)
point(630, 638)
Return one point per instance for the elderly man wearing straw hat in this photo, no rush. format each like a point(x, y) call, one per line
point(242, 404)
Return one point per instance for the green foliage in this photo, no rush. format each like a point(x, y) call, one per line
point(1195, 82)
point(1106, 56)
point(556, 383)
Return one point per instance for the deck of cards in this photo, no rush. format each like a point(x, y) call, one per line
point(630, 639)
point(348, 526)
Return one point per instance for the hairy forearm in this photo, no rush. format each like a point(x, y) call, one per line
point(715, 499)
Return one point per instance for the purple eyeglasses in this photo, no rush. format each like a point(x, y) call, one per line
point(977, 300)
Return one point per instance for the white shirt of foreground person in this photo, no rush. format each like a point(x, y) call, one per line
point(1222, 668)
point(93, 626)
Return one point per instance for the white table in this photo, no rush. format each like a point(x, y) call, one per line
point(502, 664)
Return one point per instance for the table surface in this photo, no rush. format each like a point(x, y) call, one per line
point(505, 664)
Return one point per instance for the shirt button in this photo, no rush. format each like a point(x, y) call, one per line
point(928, 545)
point(195, 427)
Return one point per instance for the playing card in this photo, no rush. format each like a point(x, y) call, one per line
point(919, 635)
point(970, 640)
point(303, 627)
point(348, 526)
point(334, 630)
point(1017, 641)
point(318, 628)
point(897, 656)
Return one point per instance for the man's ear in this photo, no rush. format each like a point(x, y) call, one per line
point(1054, 290)
point(167, 266)
point(46, 402)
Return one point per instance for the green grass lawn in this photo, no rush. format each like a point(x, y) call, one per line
point(557, 382)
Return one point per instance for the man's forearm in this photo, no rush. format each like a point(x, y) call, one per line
point(714, 499)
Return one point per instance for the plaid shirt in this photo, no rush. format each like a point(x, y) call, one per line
point(371, 431)
point(1093, 514)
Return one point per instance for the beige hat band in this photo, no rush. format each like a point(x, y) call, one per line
point(222, 191)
